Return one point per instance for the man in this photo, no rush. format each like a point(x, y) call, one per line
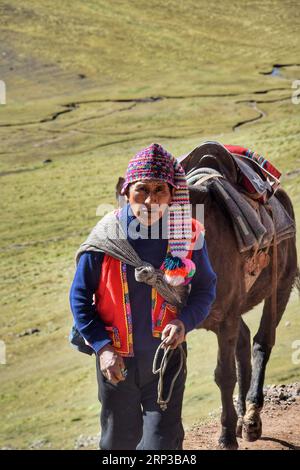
point(123, 315)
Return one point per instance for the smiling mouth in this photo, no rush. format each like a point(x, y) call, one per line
point(149, 212)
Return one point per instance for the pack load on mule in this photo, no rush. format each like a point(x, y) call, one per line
point(258, 177)
point(245, 183)
point(255, 175)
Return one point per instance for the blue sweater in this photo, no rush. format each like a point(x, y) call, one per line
point(86, 281)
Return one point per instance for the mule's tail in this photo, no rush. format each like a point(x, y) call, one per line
point(285, 200)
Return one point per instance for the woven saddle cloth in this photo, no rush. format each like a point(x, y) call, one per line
point(254, 222)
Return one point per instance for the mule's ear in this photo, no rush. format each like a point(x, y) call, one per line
point(119, 185)
point(120, 198)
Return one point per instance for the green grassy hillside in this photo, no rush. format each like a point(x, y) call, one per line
point(88, 84)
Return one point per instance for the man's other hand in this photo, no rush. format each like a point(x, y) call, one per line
point(111, 364)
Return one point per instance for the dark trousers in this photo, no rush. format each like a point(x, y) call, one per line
point(130, 416)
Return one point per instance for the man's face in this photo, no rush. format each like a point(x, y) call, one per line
point(149, 200)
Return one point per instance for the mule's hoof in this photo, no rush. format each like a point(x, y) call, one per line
point(226, 444)
point(239, 427)
point(252, 430)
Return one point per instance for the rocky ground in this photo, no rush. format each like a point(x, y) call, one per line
point(280, 418)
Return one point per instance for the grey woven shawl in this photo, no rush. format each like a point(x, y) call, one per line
point(108, 236)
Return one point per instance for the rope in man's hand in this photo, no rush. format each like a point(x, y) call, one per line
point(168, 352)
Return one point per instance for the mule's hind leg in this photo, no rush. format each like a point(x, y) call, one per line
point(243, 361)
point(263, 343)
point(225, 377)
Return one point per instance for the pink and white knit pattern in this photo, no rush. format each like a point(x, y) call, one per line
point(180, 229)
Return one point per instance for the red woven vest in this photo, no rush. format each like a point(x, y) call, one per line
point(112, 302)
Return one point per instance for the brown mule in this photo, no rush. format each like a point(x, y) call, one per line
point(225, 318)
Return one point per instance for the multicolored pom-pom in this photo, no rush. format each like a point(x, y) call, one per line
point(177, 270)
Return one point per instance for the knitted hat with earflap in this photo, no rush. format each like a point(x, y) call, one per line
point(155, 163)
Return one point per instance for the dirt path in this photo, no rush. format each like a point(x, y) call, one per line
point(281, 430)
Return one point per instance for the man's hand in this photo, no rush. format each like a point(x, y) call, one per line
point(175, 332)
point(111, 364)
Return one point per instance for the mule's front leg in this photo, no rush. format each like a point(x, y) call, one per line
point(225, 377)
point(243, 361)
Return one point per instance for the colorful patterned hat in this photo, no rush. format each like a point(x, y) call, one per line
point(155, 163)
